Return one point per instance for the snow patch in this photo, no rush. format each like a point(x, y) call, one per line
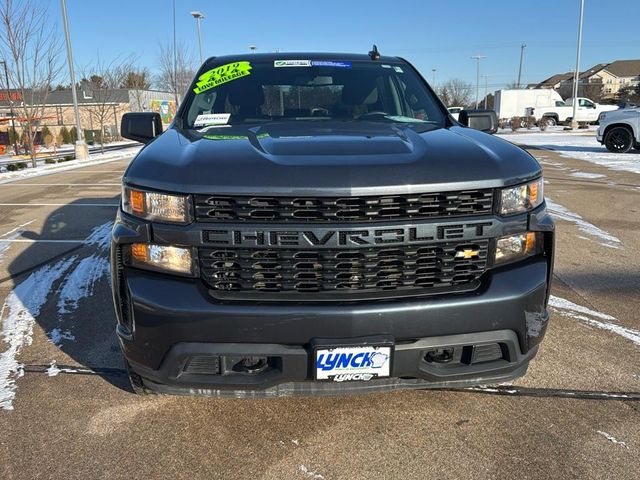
point(612, 439)
point(56, 336)
point(53, 369)
point(562, 213)
point(580, 147)
point(100, 236)
point(80, 283)
point(588, 317)
point(22, 306)
point(587, 175)
point(310, 473)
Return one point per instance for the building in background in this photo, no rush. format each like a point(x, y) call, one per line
point(58, 110)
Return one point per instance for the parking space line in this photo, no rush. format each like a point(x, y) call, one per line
point(39, 240)
point(64, 184)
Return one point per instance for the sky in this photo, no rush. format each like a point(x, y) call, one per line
point(430, 34)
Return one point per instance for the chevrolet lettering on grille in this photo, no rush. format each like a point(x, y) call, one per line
point(357, 237)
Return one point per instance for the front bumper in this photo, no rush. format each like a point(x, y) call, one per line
point(164, 321)
point(600, 134)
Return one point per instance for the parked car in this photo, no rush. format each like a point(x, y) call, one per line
point(619, 131)
point(313, 224)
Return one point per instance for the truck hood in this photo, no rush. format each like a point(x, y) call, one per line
point(329, 158)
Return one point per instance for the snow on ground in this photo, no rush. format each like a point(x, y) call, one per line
point(562, 213)
point(592, 318)
point(18, 315)
point(22, 306)
point(580, 146)
point(94, 159)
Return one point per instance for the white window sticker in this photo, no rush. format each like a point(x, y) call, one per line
point(292, 63)
point(385, 66)
point(398, 69)
point(211, 119)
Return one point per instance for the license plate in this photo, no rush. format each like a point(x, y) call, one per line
point(342, 364)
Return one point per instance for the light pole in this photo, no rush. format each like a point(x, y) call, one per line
point(252, 48)
point(478, 58)
point(199, 16)
point(175, 57)
point(522, 47)
point(82, 151)
point(576, 74)
point(13, 116)
point(486, 78)
point(433, 72)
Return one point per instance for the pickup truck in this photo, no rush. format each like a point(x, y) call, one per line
point(318, 224)
point(619, 131)
point(562, 112)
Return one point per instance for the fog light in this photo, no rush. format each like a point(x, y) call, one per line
point(517, 247)
point(163, 258)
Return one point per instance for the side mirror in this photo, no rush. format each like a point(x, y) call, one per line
point(483, 120)
point(141, 126)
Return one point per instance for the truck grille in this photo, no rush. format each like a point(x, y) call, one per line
point(351, 274)
point(218, 208)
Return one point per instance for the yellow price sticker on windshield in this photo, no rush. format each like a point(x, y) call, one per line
point(222, 74)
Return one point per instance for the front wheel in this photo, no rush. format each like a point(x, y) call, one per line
point(618, 140)
point(551, 121)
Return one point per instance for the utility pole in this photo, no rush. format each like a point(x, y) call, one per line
point(478, 58)
point(522, 47)
point(175, 57)
point(486, 78)
point(13, 116)
point(82, 151)
point(574, 122)
point(199, 16)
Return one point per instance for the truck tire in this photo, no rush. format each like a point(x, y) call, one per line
point(619, 140)
point(551, 121)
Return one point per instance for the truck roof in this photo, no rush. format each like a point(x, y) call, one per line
point(301, 56)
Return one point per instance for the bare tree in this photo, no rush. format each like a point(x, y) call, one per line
point(137, 82)
point(458, 91)
point(175, 79)
point(102, 82)
point(32, 55)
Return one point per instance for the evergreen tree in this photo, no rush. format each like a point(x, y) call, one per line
point(73, 135)
point(65, 137)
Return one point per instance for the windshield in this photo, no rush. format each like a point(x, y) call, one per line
point(246, 92)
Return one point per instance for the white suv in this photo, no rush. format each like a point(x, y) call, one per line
point(619, 130)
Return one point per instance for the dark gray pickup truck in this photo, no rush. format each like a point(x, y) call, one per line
point(319, 224)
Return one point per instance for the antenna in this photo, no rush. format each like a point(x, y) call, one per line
point(374, 54)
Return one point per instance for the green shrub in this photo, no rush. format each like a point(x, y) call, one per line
point(63, 136)
point(21, 165)
point(73, 135)
point(49, 160)
point(12, 167)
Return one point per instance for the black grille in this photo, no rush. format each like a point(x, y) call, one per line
point(217, 208)
point(333, 274)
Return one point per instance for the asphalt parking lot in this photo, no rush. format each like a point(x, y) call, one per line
point(576, 414)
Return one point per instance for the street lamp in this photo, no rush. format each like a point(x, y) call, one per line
point(82, 151)
point(252, 48)
point(574, 122)
point(433, 72)
point(13, 116)
point(478, 58)
point(199, 16)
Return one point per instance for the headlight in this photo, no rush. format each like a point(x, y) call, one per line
point(522, 198)
point(602, 116)
point(161, 258)
point(156, 206)
point(517, 247)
